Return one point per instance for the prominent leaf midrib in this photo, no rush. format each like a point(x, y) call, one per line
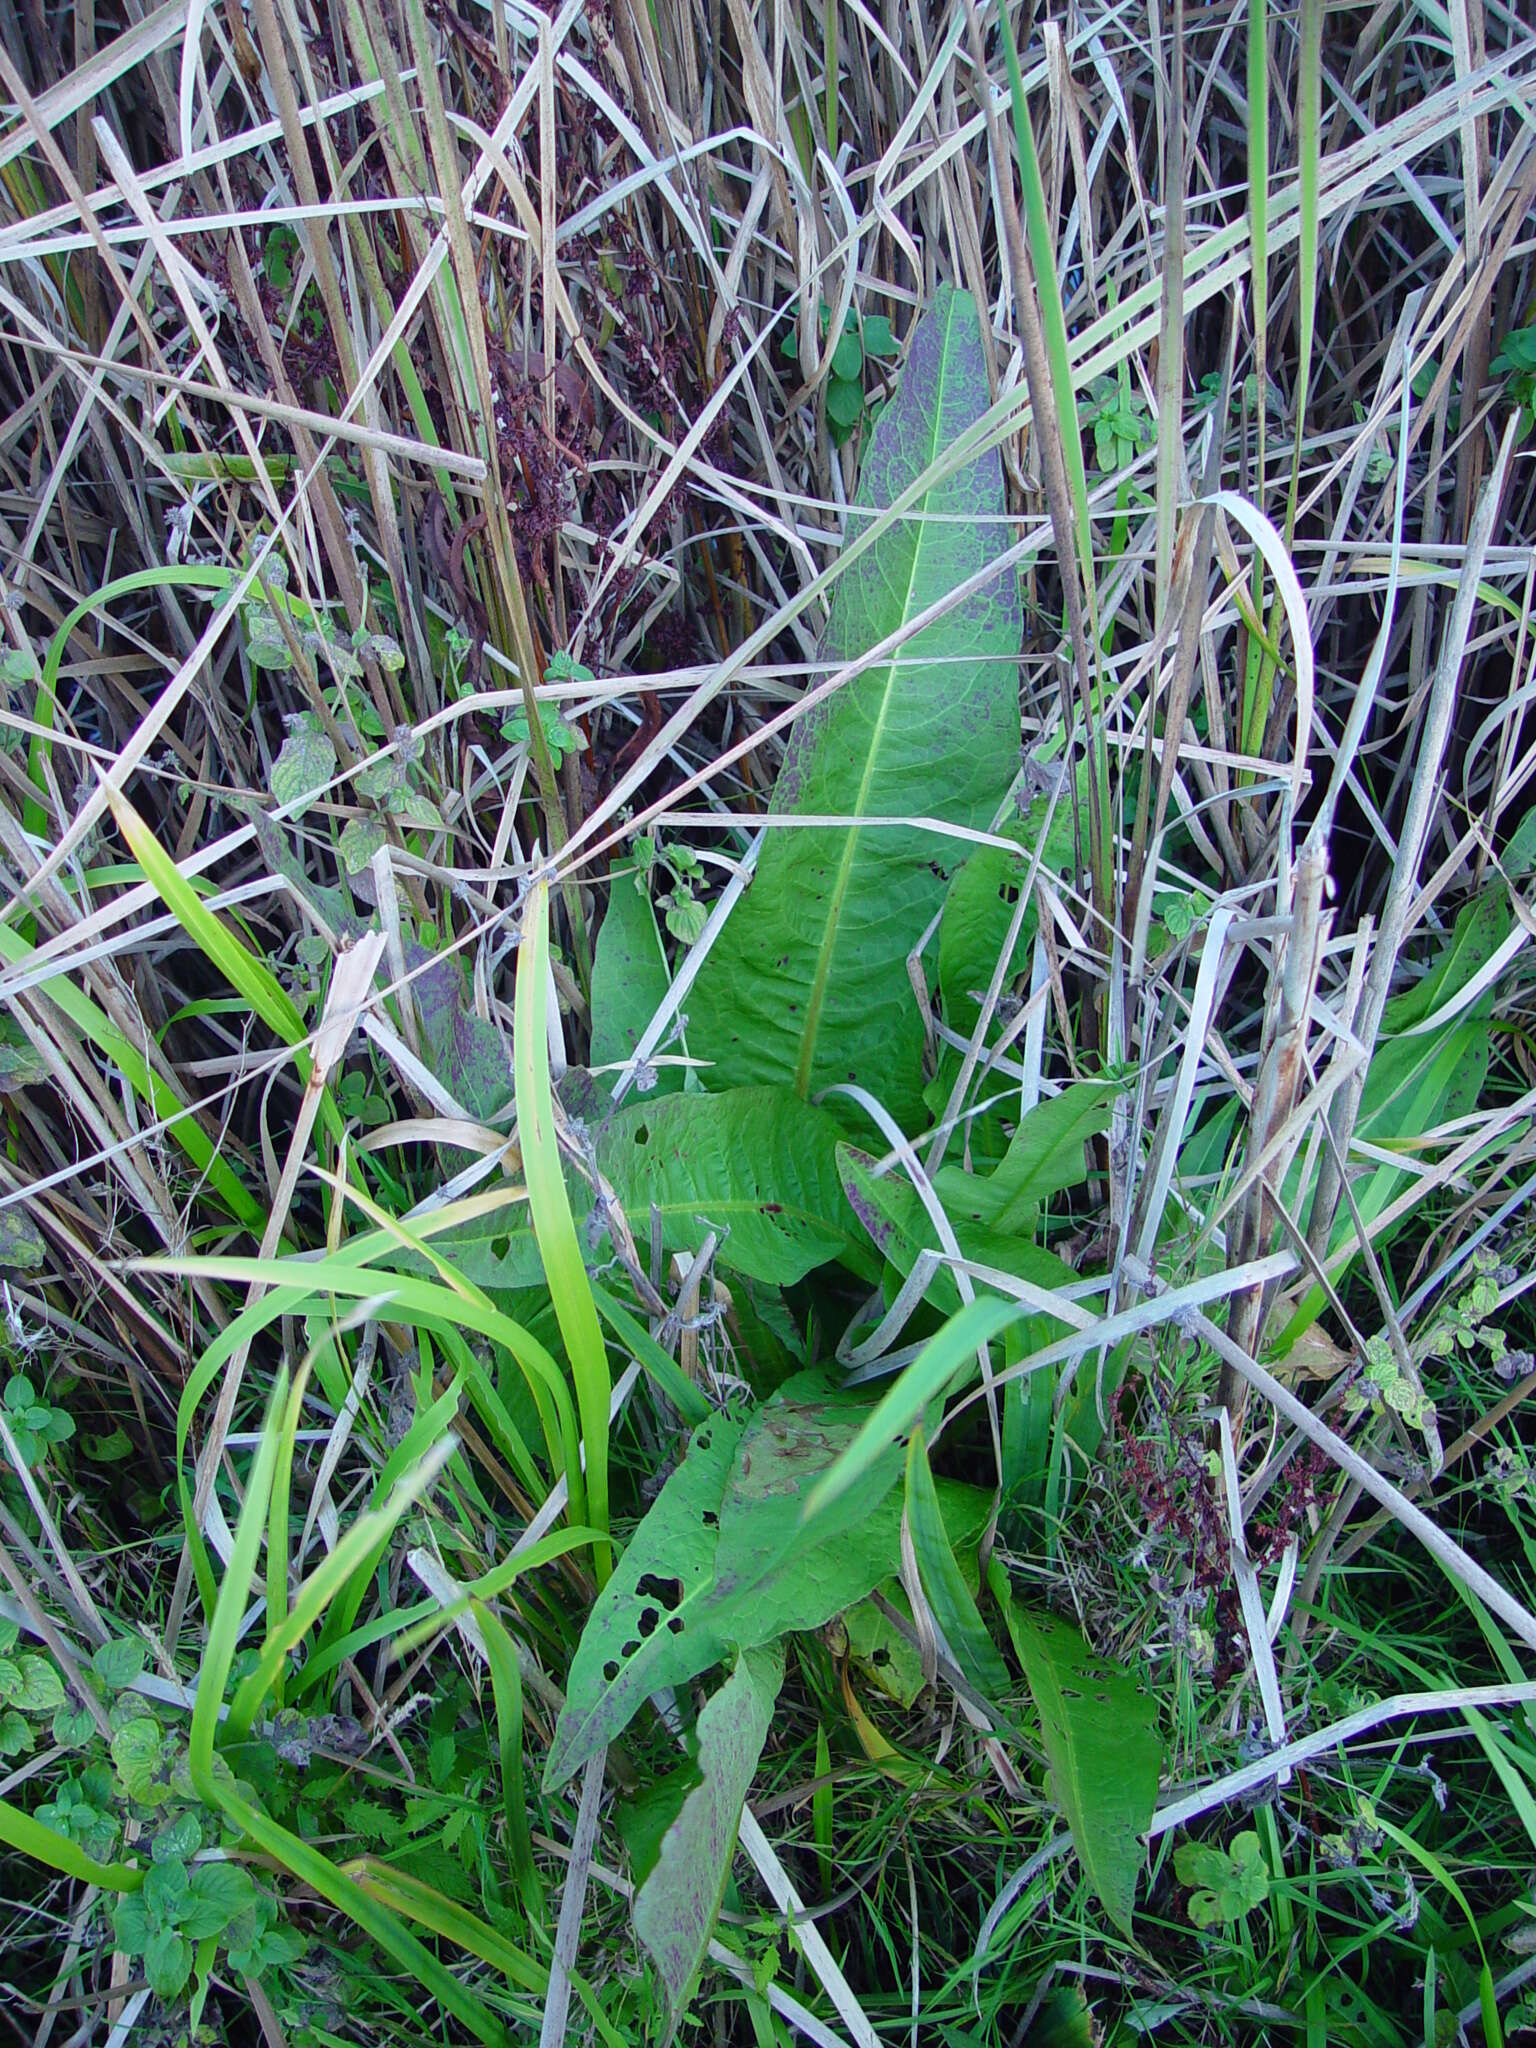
point(833, 921)
point(777, 1211)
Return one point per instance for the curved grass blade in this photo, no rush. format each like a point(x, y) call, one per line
point(947, 1593)
point(180, 1123)
point(554, 1227)
point(507, 1692)
point(30, 1837)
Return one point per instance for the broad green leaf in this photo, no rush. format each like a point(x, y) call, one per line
point(23, 1248)
point(879, 1650)
point(1044, 1155)
point(73, 1727)
point(954, 1608)
point(177, 1840)
point(632, 1643)
point(1102, 1744)
point(629, 977)
point(167, 1963)
point(980, 904)
point(167, 1890)
point(845, 399)
point(726, 1558)
point(892, 1211)
point(138, 1752)
point(360, 840)
point(1232, 1882)
point(119, 1661)
point(777, 1566)
point(807, 982)
point(789, 1559)
point(675, 1908)
point(757, 1165)
point(218, 1894)
point(130, 1924)
point(41, 1688)
point(305, 764)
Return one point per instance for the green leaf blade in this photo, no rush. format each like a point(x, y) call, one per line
point(675, 1908)
point(806, 985)
point(756, 1164)
point(629, 976)
point(1102, 1744)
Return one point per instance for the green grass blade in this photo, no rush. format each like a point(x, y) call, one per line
point(1053, 316)
point(449, 1920)
point(668, 1375)
point(507, 1692)
point(240, 967)
point(954, 1609)
point(368, 1912)
point(1309, 118)
point(277, 1522)
point(180, 1124)
point(553, 1225)
point(325, 1582)
point(29, 1837)
point(934, 1370)
point(224, 1628)
point(169, 576)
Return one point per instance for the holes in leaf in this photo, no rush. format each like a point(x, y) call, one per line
point(611, 1670)
point(675, 1625)
point(880, 1658)
point(669, 1592)
point(710, 1519)
point(1008, 893)
point(501, 1247)
point(642, 1134)
point(701, 1441)
point(647, 1621)
point(630, 1647)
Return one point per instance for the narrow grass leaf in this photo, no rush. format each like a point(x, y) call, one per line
point(954, 1609)
point(507, 1693)
point(234, 1593)
point(315, 1595)
point(94, 1024)
point(569, 1288)
point(45, 1845)
point(239, 966)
